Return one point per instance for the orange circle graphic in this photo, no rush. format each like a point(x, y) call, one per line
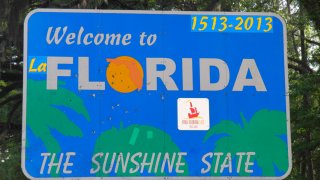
point(124, 74)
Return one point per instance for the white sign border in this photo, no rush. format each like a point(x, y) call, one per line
point(25, 48)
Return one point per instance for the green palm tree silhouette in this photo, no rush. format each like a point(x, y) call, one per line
point(41, 102)
point(260, 135)
point(134, 139)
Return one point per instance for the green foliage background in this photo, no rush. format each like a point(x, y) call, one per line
point(303, 31)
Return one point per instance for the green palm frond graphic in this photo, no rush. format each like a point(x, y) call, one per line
point(43, 114)
point(260, 135)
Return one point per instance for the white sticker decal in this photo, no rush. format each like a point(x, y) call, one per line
point(193, 114)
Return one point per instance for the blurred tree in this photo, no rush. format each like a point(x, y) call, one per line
point(313, 10)
point(304, 61)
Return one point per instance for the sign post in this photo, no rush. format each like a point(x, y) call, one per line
point(147, 94)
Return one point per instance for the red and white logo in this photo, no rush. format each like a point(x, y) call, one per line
point(193, 114)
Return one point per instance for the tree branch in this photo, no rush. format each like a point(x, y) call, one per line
point(302, 65)
point(10, 99)
point(296, 68)
point(5, 90)
point(312, 42)
point(309, 40)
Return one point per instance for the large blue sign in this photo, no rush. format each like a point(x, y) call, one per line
point(155, 94)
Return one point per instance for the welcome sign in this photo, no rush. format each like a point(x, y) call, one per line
point(155, 94)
